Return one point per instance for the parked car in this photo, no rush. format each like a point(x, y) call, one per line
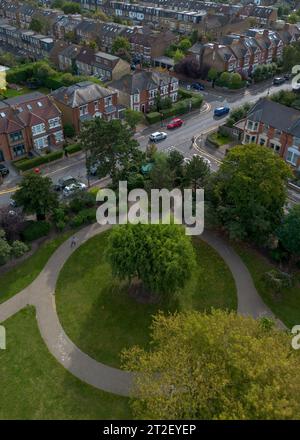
point(278, 80)
point(221, 111)
point(187, 160)
point(65, 181)
point(197, 86)
point(73, 188)
point(158, 136)
point(176, 122)
point(4, 171)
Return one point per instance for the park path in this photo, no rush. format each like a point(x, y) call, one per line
point(41, 294)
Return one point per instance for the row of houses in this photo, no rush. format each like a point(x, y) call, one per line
point(34, 122)
point(242, 53)
point(274, 126)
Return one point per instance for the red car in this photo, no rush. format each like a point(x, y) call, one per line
point(177, 122)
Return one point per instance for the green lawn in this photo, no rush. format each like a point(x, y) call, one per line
point(100, 317)
point(287, 306)
point(11, 93)
point(219, 139)
point(24, 273)
point(35, 386)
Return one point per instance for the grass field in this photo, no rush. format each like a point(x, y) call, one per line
point(35, 386)
point(102, 319)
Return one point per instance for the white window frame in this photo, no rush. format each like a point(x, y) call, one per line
point(43, 140)
point(54, 122)
point(38, 129)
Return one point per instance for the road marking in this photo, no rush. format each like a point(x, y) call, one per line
point(9, 190)
point(64, 168)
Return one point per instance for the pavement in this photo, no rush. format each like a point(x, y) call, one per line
point(41, 294)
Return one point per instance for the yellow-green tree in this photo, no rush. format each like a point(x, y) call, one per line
point(215, 366)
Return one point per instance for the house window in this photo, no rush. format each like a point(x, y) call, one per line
point(38, 129)
point(108, 101)
point(174, 97)
point(164, 90)
point(96, 106)
point(19, 150)
point(292, 156)
point(53, 123)
point(16, 136)
point(136, 97)
point(152, 93)
point(297, 141)
point(262, 141)
point(252, 125)
point(83, 110)
point(59, 137)
point(41, 142)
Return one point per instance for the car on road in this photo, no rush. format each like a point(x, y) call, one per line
point(65, 181)
point(221, 111)
point(187, 160)
point(73, 188)
point(207, 161)
point(176, 122)
point(158, 136)
point(4, 171)
point(197, 86)
point(278, 80)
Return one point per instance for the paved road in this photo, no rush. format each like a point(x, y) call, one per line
point(195, 124)
point(40, 293)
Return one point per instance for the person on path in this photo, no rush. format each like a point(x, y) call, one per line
point(73, 242)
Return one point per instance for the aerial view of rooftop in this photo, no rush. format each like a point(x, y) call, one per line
point(149, 217)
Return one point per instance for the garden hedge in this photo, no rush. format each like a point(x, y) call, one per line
point(74, 148)
point(28, 164)
point(35, 229)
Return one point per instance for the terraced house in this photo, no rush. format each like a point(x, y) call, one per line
point(139, 90)
point(86, 100)
point(275, 126)
point(29, 122)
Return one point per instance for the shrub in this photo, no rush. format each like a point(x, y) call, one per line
point(35, 229)
point(88, 215)
point(5, 248)
point(28, 164)
point(19, 248)
point(81, 201)
point(153, 117)
point(60, 225)
point(69, 131)
point(278, 280)
point(77, 221)
point(73, 148)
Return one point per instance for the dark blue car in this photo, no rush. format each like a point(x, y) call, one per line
point(197, 86)
point(220, 111)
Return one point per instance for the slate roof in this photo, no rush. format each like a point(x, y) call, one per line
point(143, 80)
point(80, 94)
point(276, 115)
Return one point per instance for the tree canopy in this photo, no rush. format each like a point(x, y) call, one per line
point(36, 195)
point(215, 366)
point(161, 256)
point(250, 192)
point(289, 231)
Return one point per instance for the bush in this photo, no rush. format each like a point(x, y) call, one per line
point(153, 117)
point(5, 248)
point(19, 248)
point(88, 215)
point(60, 225)
point(277, 280)
point(69, 131)
point(35, 229)
point(74, 148)
point(77, 221)
point(81, 201)
point(27, 164)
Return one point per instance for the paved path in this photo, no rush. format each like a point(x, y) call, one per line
point(40, 293)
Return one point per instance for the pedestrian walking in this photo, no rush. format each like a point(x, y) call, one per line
point(73, 242)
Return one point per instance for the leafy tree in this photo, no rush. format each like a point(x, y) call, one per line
point(71, 8)
point(108, 145)
point(197, 173)
point(36, 195)
point(19, 248)
point(5, 248)
point(236, 80)
point(100, 15)
point(184, 45)
point(289, 231)
point(176, 166)
point(133, 118)
point(159, 256)
point(250, 192)
point(69, 130)
point(8, 59)
point(11, 221)
point(57, 4)
point(120, 43)
point(161, 175)
point(212, 74)
point(178, 55)
point(215, 366)
point(293, 18)
point(225, 78)
point(36, 25)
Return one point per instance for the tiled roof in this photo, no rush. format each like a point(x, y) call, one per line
point(80, 94)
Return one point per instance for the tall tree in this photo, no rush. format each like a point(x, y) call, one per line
point(160, 256)
point(197, 173)
point(289, 231)
point(36, 195)
point(215, 366)
point(109, 145)
point(133, 118)
point(250, 192)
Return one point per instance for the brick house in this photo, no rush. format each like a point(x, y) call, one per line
point(29, 122)
point(146, 44)
point(109, 66)
point(84, 101)
point(138, 90)
point(275, 126)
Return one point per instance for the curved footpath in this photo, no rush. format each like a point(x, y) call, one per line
point(40, 293)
